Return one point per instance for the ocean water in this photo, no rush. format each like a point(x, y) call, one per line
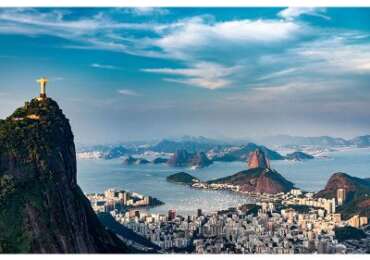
point(311, 175)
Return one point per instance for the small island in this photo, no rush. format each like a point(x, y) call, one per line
point(131, 160)
point(182, 178)
point(159, 160)
point(299, 156)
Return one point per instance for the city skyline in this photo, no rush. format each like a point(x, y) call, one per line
point(144, 73)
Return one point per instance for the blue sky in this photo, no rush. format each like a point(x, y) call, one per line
point(143, 73)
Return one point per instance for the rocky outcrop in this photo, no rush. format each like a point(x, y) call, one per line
point(257, 159)
point(42, 209)
point(261, 180)
point(200, 160)
point(357, 194)
point(142, 161)
point(116, 152)
point(131, 160)
point(181, 158)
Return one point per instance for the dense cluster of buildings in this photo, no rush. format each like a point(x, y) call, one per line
point(294, 197)
point(283, 223)
point(113, 199)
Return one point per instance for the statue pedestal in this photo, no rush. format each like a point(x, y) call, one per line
point(41, 97)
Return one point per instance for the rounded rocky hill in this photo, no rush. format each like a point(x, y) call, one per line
point(182, 178)
point(344, 181)
point(357, 191)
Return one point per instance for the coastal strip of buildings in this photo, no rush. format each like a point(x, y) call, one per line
point(120, 200)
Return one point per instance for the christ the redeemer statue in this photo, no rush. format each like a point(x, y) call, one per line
point(42, 81)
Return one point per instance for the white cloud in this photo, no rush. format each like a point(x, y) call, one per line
point(205, 46)
point(127, 92)
point(202, 74)
point(327, 57)
point(335, 55)
point(104, 66)
point(202, 82)
point(290, 88)
point(147, 11)
point(58, 23)
point(291, 92)
point(58, 19)
point(52, 22)
point(198, 34)
point(279, 73)
point(292, 13)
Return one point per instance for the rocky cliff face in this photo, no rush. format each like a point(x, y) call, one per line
point(257, 159)
point(200, 160)
point(357, 193)
point(181, 158)
point(42, 209)
point(258, 180)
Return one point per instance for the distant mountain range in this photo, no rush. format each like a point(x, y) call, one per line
point(168, 146)
point(361, 141)
point(215, 150)
point(204, 149)
point(241, 153)
point(322, 141)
